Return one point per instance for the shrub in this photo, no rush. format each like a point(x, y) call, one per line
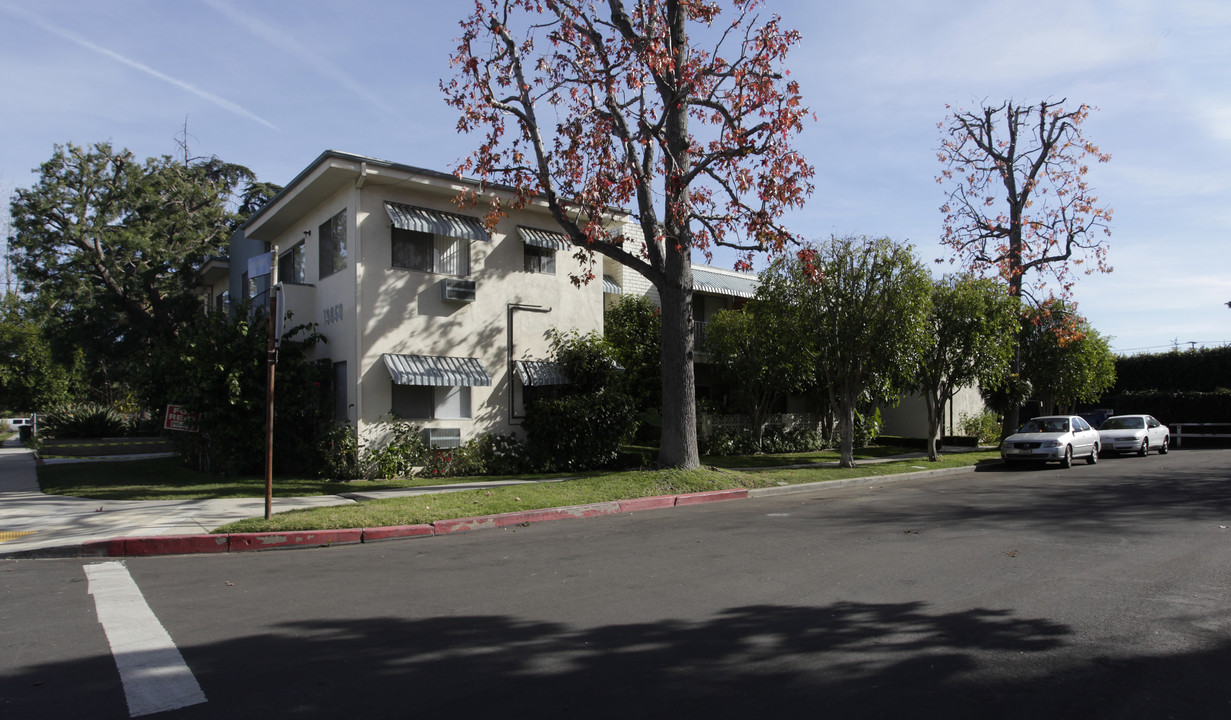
point(502, 454)
point(797, 438)
point(728, 442)
point(578, 432)
point(399, 449)
point(84, 420)
point(340, 453)
point(985, 426)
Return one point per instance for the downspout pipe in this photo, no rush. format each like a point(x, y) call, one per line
point(512, 308)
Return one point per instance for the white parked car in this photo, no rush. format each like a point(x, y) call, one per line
point(1053, 438)
point(1134, 433)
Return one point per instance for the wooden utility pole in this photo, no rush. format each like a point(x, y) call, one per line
point(272, 360)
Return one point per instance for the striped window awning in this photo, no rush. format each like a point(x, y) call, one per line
point(408, 217)
point(536, 373)
point(611, 287)
point(436, 371)
point(742, 285)
point(543, 238)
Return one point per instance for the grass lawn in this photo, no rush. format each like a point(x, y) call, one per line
point(168, 479)
point(577, 491)
point(804, 458)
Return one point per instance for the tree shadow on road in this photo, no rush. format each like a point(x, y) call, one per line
point(845, 660)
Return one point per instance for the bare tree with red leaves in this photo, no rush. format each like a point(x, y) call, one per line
point(589, 106)
point(1019, 203)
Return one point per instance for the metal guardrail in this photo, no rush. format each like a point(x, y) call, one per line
point(1179, 431)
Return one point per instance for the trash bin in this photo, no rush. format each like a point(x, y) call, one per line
point(25, 433)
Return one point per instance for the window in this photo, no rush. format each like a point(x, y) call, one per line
point(292, 265)
point(540, 260)
point(341, 410)
point(425, 252)
point(332, 236)
point(424, 402)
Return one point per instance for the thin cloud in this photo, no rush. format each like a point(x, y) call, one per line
point(82, 42)
point(305, 54)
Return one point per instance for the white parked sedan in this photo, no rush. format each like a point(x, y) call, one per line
point(1054, 438)
point(1134, 433)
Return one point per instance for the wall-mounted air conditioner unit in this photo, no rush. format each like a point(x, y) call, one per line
point(443, 437)
point(456, 290)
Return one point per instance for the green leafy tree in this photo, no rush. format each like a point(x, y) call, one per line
point(757, 351)
point(863, 305)
point(1065, 360)
point(633, 327)
point(108, 246)
point(971, 331)
point(31, 378)
point(216, 366)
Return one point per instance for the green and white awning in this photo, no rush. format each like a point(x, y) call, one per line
point(536, 373)
point(543, 238)
point(436, 222)
point(436, 371)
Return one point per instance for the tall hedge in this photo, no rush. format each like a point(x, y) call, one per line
point(1203, 370)
point(1174, 407)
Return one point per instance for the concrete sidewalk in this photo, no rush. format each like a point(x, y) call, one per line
point(31, 521)
point(36, 525)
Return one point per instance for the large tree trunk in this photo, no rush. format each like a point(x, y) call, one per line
point(679, 435)
point(679, 438)
point(936, 416)
point(846, 426)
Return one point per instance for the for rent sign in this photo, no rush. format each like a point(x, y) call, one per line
point(180, 419)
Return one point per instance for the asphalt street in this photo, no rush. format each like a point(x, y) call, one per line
point(1095, 592)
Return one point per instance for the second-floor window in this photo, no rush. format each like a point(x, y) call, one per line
point(332, 236)
point(540, 260)
point(425, 252)
point(293, 266)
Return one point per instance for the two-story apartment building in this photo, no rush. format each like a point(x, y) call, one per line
point(426, 313)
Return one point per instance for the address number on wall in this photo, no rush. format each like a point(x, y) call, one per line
point(333, 314)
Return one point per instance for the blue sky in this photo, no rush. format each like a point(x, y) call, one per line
point(271, 85)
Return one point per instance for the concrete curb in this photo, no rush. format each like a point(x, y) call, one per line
point(252, 542)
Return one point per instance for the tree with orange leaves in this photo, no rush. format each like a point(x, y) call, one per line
point(1019, 203)
point(586, 106)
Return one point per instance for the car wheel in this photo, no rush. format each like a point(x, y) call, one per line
point(1145, 447)
point(1067, 462)
point(1093, 457)
point(1166, 443)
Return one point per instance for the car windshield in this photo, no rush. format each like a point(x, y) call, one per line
point(1124, 423)
point(1046, 425)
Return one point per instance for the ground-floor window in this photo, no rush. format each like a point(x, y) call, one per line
point(341, 410)
point(421, 402)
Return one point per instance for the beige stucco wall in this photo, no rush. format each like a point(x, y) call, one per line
point(910, 417)
point(371, 308)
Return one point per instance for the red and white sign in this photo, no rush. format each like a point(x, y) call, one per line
point(180, 419)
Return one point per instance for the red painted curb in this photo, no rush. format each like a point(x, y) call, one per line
point(247, 542)
point(647, 503)
point(395, 532)
point(241, 542)
point(712, 496)
point(173, 545)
